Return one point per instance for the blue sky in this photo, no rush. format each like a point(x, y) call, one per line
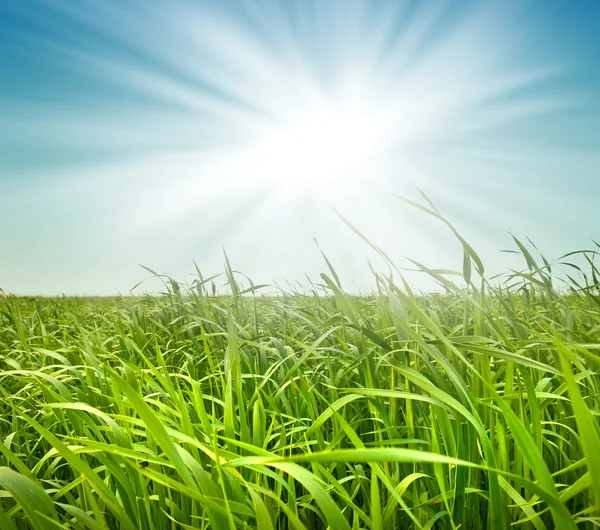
point(157, 133)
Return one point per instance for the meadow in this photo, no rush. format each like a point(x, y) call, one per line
point(475, 407)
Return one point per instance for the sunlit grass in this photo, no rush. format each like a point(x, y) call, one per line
point(476, 408)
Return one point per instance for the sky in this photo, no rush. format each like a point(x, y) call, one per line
point(164, 133)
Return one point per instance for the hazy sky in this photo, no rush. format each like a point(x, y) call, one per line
point(158, 132)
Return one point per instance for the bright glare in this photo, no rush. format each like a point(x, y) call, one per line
point(319, 149)
point(245, 119)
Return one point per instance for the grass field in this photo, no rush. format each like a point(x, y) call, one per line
point(475, 408)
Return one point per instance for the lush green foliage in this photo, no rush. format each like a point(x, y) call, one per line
point(470, 409)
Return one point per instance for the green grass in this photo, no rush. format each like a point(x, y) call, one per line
point(476, 408)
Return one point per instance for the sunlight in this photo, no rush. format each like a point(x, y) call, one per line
point(291, 108)
point(319, 149)
point(249, 118)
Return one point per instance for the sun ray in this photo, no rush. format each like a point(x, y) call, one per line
point(328, 102)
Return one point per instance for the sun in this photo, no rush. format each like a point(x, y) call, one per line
point(319, 148)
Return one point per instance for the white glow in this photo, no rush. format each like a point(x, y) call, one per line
point(269, 101)
point(237, 125)
point(318, 149)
